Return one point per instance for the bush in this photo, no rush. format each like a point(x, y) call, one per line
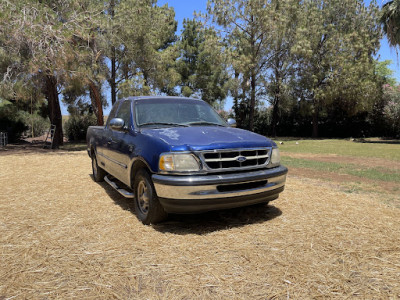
point(10, 121)
point(392, 109)
point(77, 125)
point(35, 123)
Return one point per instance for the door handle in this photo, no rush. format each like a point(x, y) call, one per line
point(112, 141)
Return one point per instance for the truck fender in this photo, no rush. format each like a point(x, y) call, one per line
point(137, 164)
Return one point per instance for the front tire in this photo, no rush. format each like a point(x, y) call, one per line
point(147, 206)
point(98, 173)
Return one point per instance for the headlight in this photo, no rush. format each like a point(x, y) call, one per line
point(275, 157)
point(178, 162)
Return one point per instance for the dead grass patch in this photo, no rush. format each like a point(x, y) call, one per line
point(346, 180)
point(361, 161)
point(64, 236)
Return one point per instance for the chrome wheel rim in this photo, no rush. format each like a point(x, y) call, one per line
point(143, 197)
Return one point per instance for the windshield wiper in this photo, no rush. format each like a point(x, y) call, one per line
point(163, 124)
point(204, 123)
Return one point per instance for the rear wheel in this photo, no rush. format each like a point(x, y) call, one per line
point(98, 173)
point(148, 208)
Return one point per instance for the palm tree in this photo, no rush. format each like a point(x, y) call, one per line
point(390, 20)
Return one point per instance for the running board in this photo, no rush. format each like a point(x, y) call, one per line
point(123, 192)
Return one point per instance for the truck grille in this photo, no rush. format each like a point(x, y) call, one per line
point(235, 158)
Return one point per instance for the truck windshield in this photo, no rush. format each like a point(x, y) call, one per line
point(175, 112)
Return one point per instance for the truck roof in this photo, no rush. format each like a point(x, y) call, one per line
point(159, 97)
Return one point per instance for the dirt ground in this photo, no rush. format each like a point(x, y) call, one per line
point(65, 236)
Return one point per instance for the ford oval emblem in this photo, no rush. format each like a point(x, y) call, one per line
point(241, 158)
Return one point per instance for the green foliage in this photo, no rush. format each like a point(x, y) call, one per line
point(390, 19)
point(10, 121)
point(36, 125)
point(334, 48)
point(245, 29)
point(383, 73)
point(134, 86)
point(262, 122)
point(392, 108)
point(143, 47)
point(77, 125)
point(16, 121)
point(201, 65)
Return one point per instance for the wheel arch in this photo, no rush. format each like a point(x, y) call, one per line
point(136, 165)
point(91, 148)
point(92, 151)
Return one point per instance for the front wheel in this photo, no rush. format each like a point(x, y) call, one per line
point(148, 208)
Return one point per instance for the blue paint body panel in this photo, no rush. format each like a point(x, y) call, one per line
point(198, 138)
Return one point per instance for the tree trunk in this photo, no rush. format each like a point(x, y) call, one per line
point(145, 78)
point(275, 115)
point(236, 103)
point(113, 75)
point(315, 120)
point(113, 61)
point(252, 72)
point(277, 99)
point(54, 109)
point(252, 101)
point(96, 102)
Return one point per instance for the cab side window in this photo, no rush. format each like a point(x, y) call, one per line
point(112, 112)
point(124, 112)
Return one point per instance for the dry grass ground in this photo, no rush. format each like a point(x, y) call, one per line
point(65, 236)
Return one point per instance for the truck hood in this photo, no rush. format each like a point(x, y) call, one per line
point(197, 138)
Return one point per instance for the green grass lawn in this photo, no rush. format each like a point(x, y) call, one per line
point(375, 173)
point(372, 165)
point(343, 148)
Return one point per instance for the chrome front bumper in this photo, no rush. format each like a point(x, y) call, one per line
point(185, 194)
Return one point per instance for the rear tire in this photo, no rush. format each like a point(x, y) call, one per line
point(147, 206)
point(98, 173)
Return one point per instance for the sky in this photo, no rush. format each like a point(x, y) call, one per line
point(186, 8)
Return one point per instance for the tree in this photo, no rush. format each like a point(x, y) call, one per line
point(243, 27)
point(142, 47)
point(41, 38)
point(112, 54)
point(88, 69)
point(58, 44)
point(334, 48)
point(390, 19)
point(282, 17)
point(201, 63)
point(383, 80)
point(392, 108)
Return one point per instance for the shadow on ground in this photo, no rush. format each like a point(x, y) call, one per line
point(390, 142)
point(22, 148)
point(203, 223)
point(218, 220)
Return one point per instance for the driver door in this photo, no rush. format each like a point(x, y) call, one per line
point(118, 148)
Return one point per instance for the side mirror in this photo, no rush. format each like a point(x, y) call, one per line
point(231, 122)
point(117, 124)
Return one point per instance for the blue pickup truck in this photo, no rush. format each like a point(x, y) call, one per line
point(177, 155)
